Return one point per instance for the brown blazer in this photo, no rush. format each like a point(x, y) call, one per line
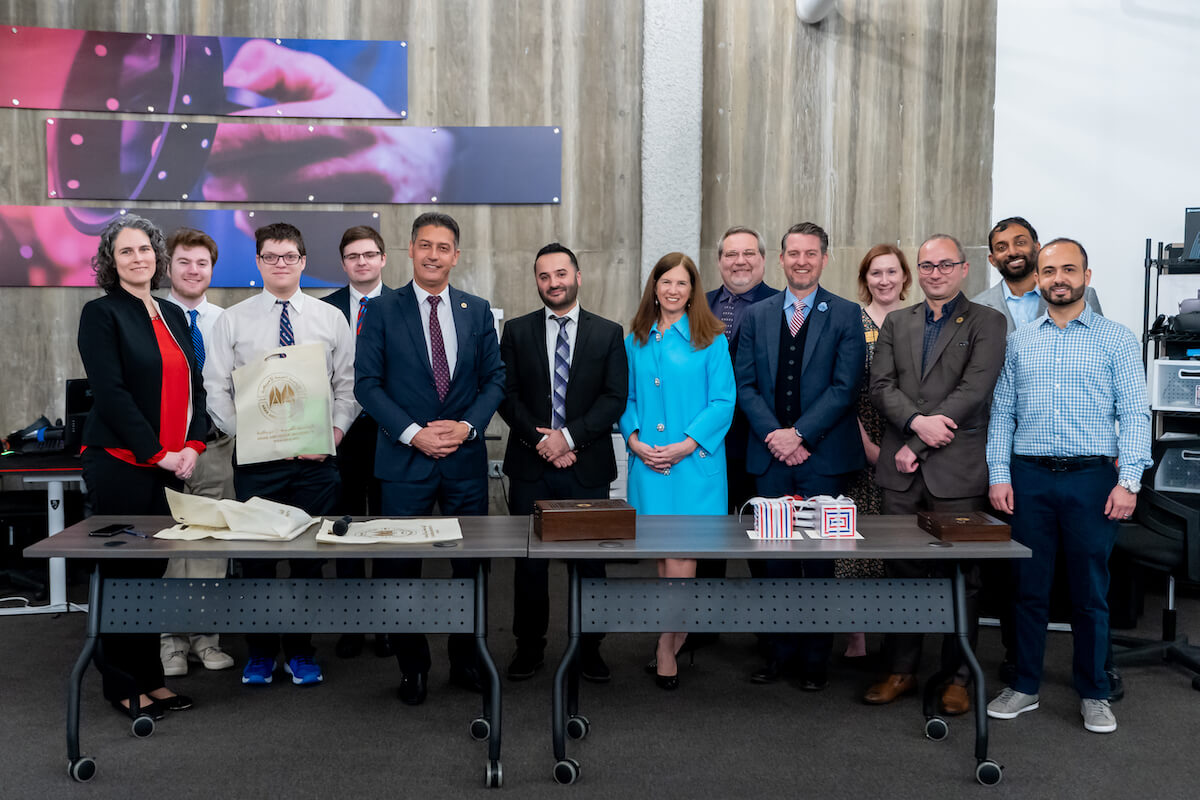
point(958, 382)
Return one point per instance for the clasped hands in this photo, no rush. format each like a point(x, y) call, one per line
point(786, 446)
point(180, 462)
point(936, 430)
point(441, 437)
point(554, 448)
point(660, 458)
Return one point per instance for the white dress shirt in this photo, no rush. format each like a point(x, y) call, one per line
point(355, 298)
point(206, 319)
point(552, 344)
point(251, 328)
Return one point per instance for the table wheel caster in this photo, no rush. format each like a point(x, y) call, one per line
point(988, 773)
point(578, 726)
point(936, 729)
point(566, 771)
point(82, 769)
point(481, 729)
point(494, 778)
point(142, 726)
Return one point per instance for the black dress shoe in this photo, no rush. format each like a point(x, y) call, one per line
point(667, 682)
point(814, 680)
point(384, 646)
point(768, 673)
point(179, 702)
point(154, 710)
point(349, 645)
point(412, 689)
point(524, 664)
point(1116, 685)
point(466, 678)
point(592, 667)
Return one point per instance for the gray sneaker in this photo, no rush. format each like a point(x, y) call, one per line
point(1009, 703)
point(1097, 716)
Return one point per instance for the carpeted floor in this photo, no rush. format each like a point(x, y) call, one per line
point(718, 736)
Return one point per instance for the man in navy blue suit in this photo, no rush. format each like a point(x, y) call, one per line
point(428, 370)
point(363, 256)
point(799, 366)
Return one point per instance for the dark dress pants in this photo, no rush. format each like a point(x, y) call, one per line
point(902, 651)
point(309, 485)
point(454, 498)
point(531, 586)
point(1052, 509)
point(130, 662)
point(808, 651)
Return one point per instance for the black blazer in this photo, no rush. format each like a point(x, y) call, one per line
point(123, 365)
point(340, 298)
point(596, 395)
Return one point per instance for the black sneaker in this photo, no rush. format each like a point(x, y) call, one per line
point(524, 664)
point(592, 667)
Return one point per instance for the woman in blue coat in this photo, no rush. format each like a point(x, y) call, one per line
point(681, 396)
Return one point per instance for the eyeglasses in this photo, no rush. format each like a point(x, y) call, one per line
point(730, 255)
point(370, 255)
point(271, 259)
point(944, 267)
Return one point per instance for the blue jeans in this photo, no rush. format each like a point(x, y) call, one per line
point(1052, 507)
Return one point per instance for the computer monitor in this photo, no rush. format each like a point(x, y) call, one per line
point(1191, 235)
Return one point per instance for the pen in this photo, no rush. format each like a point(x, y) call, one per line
point(139, 534)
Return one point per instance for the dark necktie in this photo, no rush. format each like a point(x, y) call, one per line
point(727, 315)
point(562, 373)
point(197, 339)
point(286, 337)
point(362, 309)
point(437, 346)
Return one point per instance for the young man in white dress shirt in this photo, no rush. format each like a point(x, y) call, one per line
point(281, 316)
point(193, 255)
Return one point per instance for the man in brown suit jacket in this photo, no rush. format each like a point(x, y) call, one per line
point(935, 366)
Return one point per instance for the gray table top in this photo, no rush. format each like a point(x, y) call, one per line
point(884, 537)
point(483, 537)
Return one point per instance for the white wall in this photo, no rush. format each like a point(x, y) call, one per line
point(1098, 131)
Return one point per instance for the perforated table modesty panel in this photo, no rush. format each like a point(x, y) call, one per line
point(263, 605)
point(802, 605)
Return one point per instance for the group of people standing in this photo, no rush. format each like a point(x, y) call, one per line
point(744, 391)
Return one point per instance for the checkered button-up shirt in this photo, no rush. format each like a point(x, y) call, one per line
point(1067, 392)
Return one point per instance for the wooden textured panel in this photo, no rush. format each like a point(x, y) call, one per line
point(575, 64)
point(876, 124)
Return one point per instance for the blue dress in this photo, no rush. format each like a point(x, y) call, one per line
point(676, 392)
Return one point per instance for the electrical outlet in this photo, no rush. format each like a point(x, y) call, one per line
point(495, 469)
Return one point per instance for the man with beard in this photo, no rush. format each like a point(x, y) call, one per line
point(1013, 251)
point(1070, 399)
point(566, 383)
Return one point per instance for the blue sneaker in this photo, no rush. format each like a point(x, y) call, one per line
point(259, 671)
point(304, 671)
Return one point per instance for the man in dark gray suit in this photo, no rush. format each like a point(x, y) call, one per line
point(363, 256)
point(935, 367)
point(1013, 250)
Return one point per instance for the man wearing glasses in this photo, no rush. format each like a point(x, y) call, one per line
point(935, 366)
point(363, 257)
point(282, 316)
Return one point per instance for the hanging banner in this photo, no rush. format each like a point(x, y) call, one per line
point(147, 73)
point(106, 159)
point(54, 245)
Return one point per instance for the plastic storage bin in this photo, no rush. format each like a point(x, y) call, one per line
point(1179, 470)
point(1174, 385)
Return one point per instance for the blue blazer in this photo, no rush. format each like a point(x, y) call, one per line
point(393, 381)
point(340, 299)
point(831, 373)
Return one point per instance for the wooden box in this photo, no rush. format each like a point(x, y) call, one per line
point(572, 520)
point(969, 526)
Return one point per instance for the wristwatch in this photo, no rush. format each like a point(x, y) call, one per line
point(1130, 485)
point(799, 435)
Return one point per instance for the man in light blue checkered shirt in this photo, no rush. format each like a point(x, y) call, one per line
point(1070, 399)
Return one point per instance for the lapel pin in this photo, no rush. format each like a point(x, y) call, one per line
point(464, 305)
point(822, 306)
point(959, 321)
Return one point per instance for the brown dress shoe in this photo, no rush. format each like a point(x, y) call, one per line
point(955, 700)
point(889, 689)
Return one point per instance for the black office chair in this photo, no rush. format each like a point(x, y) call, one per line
point(1165, 537)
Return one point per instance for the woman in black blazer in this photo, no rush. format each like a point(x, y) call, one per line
point(146, 427)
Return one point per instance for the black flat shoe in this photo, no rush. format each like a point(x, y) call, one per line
point(179, 702)
point(154, 710)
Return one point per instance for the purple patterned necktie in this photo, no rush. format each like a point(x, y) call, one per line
point(562, 373)
point(441, 367)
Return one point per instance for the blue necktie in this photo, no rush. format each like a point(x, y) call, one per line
point(362, 309)
point(197, 339)
point(562, 373)
point(286, 337)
